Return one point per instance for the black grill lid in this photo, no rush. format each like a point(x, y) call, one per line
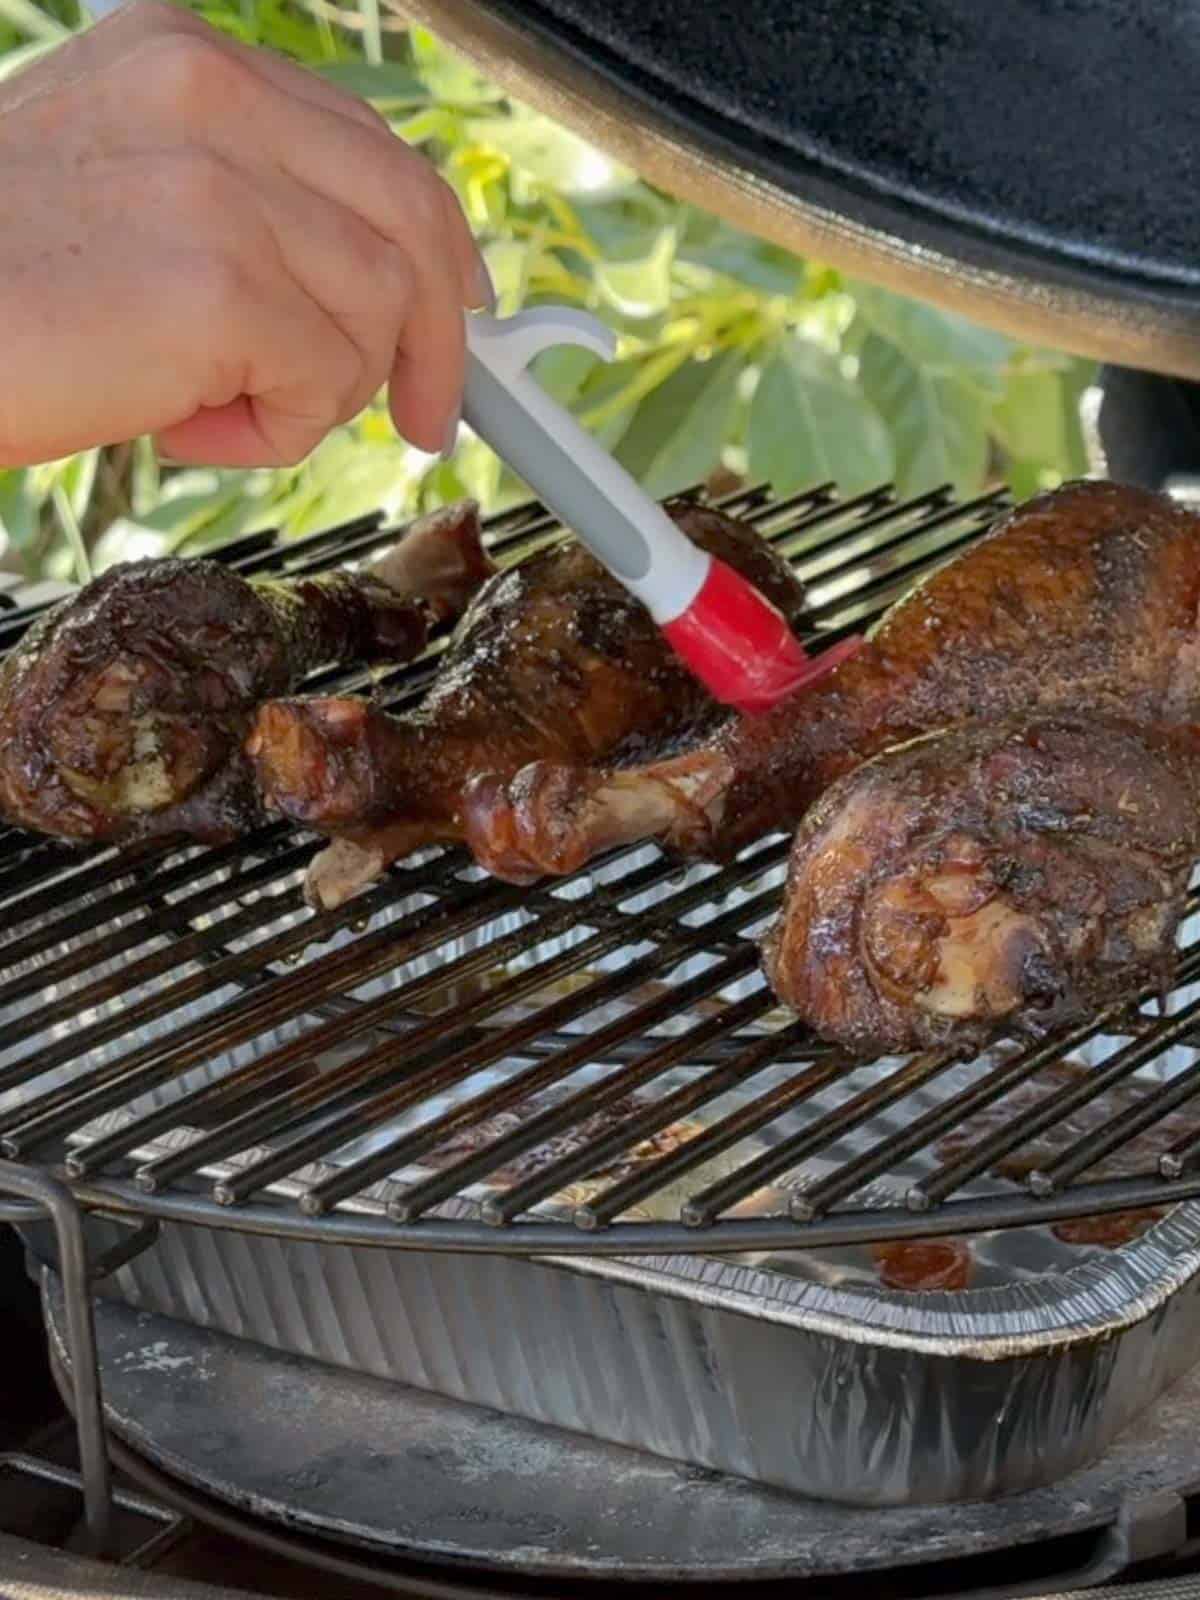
point(1031, 162)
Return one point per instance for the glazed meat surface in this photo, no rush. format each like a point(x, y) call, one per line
point(123, 711)
point(1009, 876)
point(554, 660)
point(1086, 596)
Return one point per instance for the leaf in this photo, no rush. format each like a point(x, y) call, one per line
point(479, 469)
point(25, 56)
point(808, 424)
point(146, 480)
point(626, 226)
point(428, 124)
point(386, 82)
point(197, 509)
point(676, 434)
point(599, 389)
point(447, 76)
point(555, 157)
point(937, 424)
point(508, 266)
point(640, 288)
point(1075, 380)
point(184, 515)
point(747, 260)
point(1025, 479)
point(939, 342)
point(78, 479)
point(372, 31)
point(1030, 420)
point(441, 485)
point(563, 370)
point(32, 21)
point(19, 507)
point(126, 539)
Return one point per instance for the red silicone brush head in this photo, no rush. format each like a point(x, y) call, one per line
point(740, 646)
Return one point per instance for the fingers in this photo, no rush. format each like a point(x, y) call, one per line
point(288, 374)
point(363, 281)
point(130, 29)
point(322, 257)
point(362, 170)
point(425, 393)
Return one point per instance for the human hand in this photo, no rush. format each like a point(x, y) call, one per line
point(209, 244)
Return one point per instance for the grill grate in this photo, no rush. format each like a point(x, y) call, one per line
point(591, 1065)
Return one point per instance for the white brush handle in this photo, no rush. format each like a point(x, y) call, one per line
point(582, 484)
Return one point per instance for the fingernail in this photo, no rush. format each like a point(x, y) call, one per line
point(451, 440)
point(485, 289)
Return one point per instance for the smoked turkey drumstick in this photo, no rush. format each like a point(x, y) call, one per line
point(997, 876)
point(1086, 596)
point(123, 711)
point(554, 659)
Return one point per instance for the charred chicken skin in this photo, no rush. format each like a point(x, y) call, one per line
point(553, 661)
point(124, 709)
point(1009, 876)
point(1086, 596)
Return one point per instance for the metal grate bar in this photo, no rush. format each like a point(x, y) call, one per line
point(217, 970)
point(1057, 1106)
point(328, 1192)
point(1089, 1151)
point(277, 1117)
point(89, 918)
point(430, 1071)
point(246, 1183)
point(36, 907)
point(525, 1195)
point(53, 1113)
point(938, 539)
point(431, 1074)
point(343, 1029)
point(748, 1063)
point(417, 1197)
point(173, 954)
point(840, 550)
point(926, 545)
point(244, 1084)
point(622, 1195)
point(1178, 1157)
point(522, 1087)
point(28, 859)
point(270, 557)
point(706, 1206)
point(802, 525)
point(367, 1072)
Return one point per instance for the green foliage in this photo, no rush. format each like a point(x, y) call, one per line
point(735, 356)
point(808, 422)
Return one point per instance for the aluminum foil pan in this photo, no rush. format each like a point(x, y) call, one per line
point(841, 1391)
